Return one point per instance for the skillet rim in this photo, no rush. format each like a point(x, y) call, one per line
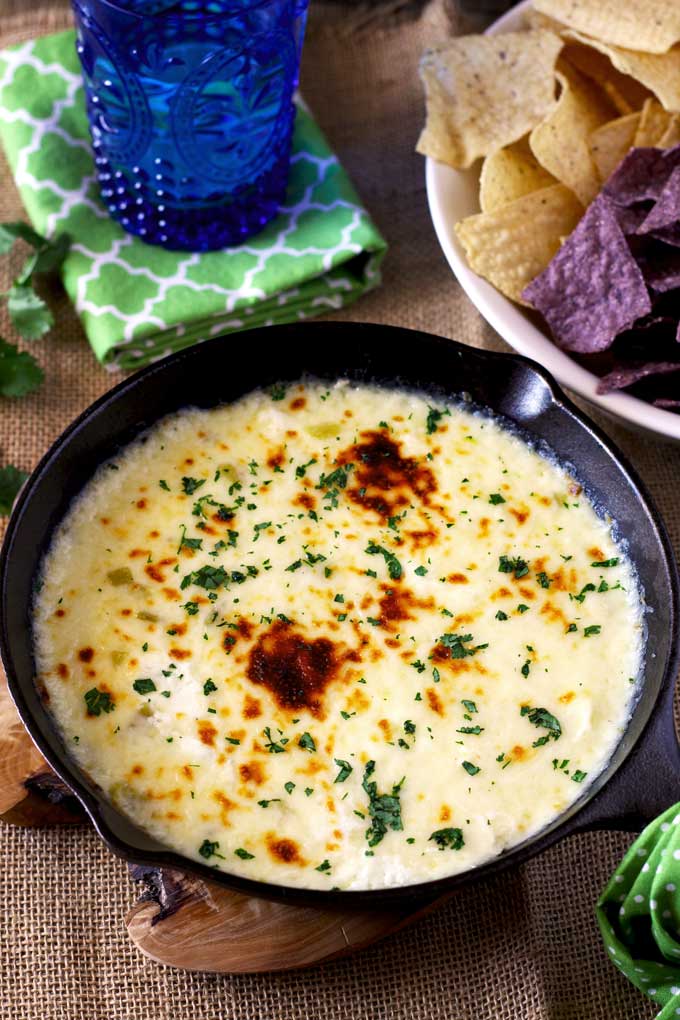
point(105, 818)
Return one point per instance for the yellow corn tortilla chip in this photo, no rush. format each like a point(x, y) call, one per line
point(625, 92)
point(484, 92)
point(651, 26)
point(659, 72)
point(510, 173)
point(610, 143)
point(654, 121)
point(513, 244)
point(671, 135)
point(560, 143)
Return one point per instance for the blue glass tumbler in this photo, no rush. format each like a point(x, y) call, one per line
point(191, 113)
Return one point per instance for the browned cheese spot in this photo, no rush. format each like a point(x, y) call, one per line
point(63, 671)
point(434, 701)
point(86, 654)
point(243, 629)
point(283, 850)
point(383, 480)
point(252, 772)
point(252, 708)
point(154, 572)
point(179, 653)
point(445, 813)
point(294, 669)
point(398, 604)
point(141, 504)
point(567, 697)
point(206, 732)
point(297, 404)
point(459, 579)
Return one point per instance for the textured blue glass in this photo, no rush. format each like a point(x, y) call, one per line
point(191, 113)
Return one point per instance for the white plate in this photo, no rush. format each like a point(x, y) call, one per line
point(453, 194)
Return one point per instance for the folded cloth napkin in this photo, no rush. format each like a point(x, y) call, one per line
point(138, 302)
point(639, 913)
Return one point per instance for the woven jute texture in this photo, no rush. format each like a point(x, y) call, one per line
point(522, 946)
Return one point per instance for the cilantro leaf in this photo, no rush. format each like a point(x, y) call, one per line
point(20, 373)
point(448, 839)
point(542, 717)
point(11, 480)
point(98, 701)
point(384, 808)
point(29, 314)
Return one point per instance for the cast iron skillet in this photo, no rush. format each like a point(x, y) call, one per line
point(643, 775)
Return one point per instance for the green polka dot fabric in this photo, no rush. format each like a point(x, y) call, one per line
point(138, 302)
point(639, 913)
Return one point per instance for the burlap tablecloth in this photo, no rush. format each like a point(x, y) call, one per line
point(524, 945)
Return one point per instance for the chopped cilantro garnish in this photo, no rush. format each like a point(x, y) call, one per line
point(542, 717)
point(277, 391)
point(98, 701)
point(614, 562)
point(324, 866)
point(525, 668)
point(207, 577)
point(209, 687)
point(513, 565)
point(521, 608)
point(384, 809)
point(495, 498)
point(421, 571)
point(307, 741)
point(289, 787)
point(144, 685)
point(471, 769)
point(571, 628)
point(594, 628)
point(163, 484)
point(578, 776)
point(543, 579)
point(189, 485)
point(274, 746)
point(420, 666)
point(266, 803)
point(232, 740)
point(209, 849)
point(500, 615)
point(456, 645)
point(409, 727)
point(393, 564)
point(471, 730)
point(433, 418)
point(448, 839)
point(243, 854)
point(345, 770)
point(470, 706)
point(191, 608)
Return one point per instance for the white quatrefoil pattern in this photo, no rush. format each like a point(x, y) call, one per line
point(137, 302)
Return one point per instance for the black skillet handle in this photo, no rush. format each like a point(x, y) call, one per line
point(646, 784)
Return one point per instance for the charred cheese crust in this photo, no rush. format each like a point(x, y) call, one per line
point(337, 637)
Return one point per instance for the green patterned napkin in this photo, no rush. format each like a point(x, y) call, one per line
point(639, 913)
point(138, 302)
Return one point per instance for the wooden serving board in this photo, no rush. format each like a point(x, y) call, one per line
point(181, 920)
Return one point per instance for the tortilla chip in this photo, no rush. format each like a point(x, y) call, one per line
point(609, 143)
point(652, 26)
point(659, 72)
point(625, 92)
point(513, 244)
point(510, 173)
point(593, 289)
point(560, 142)
point(642, 175)
point(625, 375)
point(654, 122)
point(666, 211)
point(671, 135)
point(485, 92)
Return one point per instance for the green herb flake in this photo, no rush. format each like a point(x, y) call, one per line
point(324, 866)
point(500, 615)
point(434, 416)
point(345, 770)
point(542, 717)
point(456, 644)
point(209, 687)
point(98, 701)
point(243, 854)
point(384, 809)
point(470, 706)
point(495, 499)
point(289, 787)
point(513, 565)
point(144, 685)
point(209, 849)
point(594, 628)
point(614, 562)
point(393, 565)
point(448, 839)
point(471, 769)
point(307, 742)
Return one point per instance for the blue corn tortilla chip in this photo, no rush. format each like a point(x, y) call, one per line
point(625, 375)
point(668, 403)
point(665, 212)
point(631, 217)
point(592, 289)
point(641, 175)
point(660, 265)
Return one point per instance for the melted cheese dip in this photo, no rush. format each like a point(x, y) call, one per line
point(337, 637)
